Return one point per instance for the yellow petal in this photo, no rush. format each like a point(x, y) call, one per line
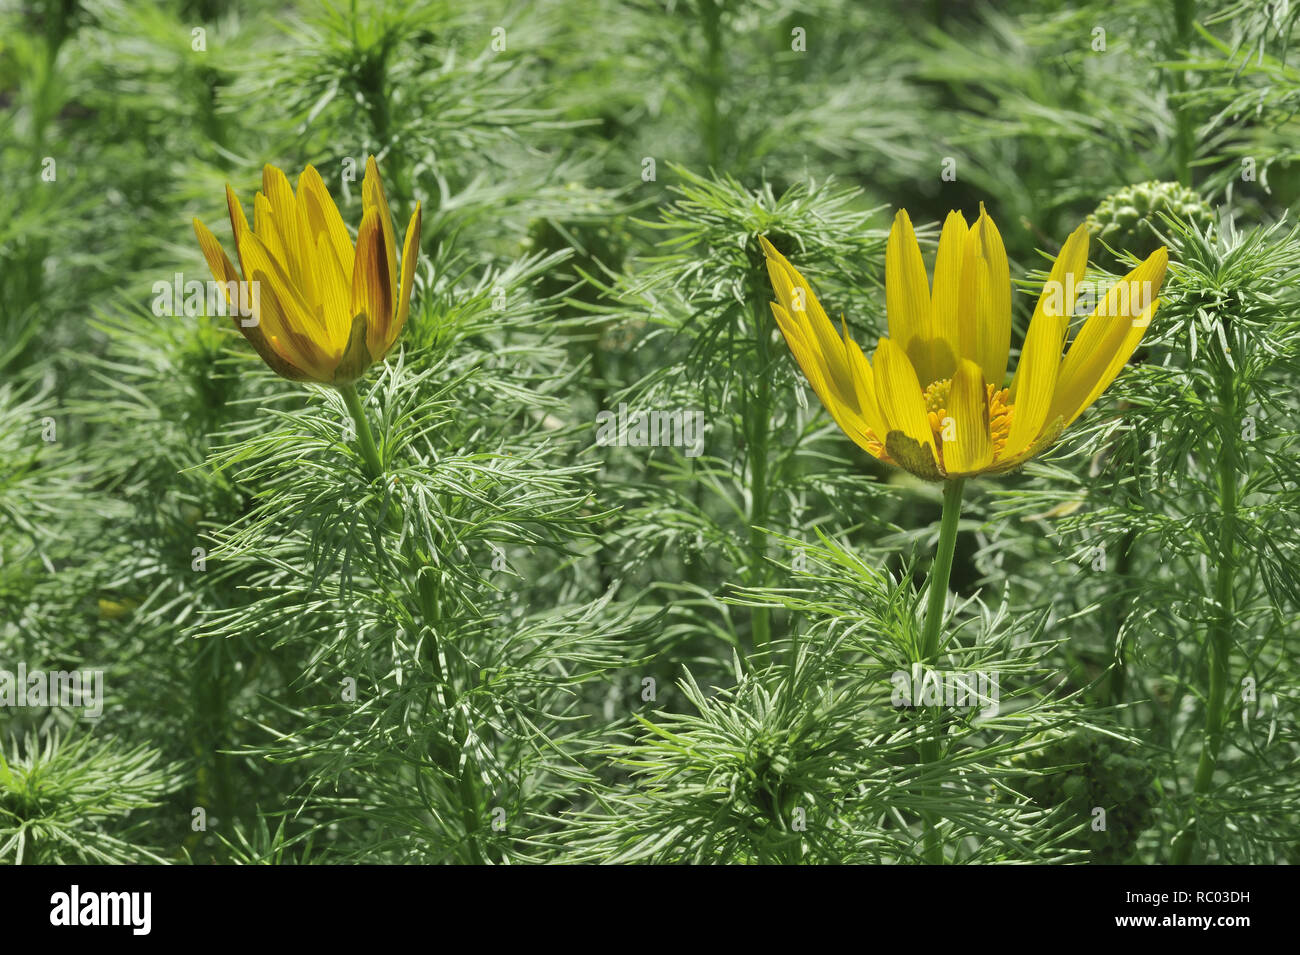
point(238, 296)
point(372, 197)
point(410, 255)
point(276, 340)
point(294, 254)
point(796, 296)
point(1035, 382)
point(1040, 358)
point(814, 369)
point(300, 321)
point(288, 362)
point(968, 307)
point(224, 272)
point(1063, 284)
point(899, 393)
point(946, 296)
point(1125, 310)
point(971, 450)
point(268, 230)
point(907, 292)
point(989, 340)
point(323, 216)
point(809, 359)
point(371, 290)
point(864, 381)
point(335, 291)
point(284, 350)
point(1118, 359)
point(238, 223)
point(805, 355)
point(222, 268)
point(278, 191)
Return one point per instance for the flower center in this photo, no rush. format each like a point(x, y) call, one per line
point(1000, 411)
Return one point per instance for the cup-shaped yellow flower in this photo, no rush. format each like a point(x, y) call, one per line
point(316, 307)
point(931, 400)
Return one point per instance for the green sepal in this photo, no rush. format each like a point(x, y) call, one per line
point(356, 357)
point(910, 455)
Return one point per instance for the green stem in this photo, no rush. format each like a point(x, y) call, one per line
point(758, 425)
point(714, 79)
point(1184, 12)
point(425, 593)
point(1117, 684)
point(373, 79)
point(936, 600)
point(365, 437)
point(941, 570)
point(1219, 635)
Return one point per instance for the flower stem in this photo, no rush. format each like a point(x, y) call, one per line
point(941, 570)
point(426, 598)
point(365, 437)
point(1220, 629)
point(1184, 16)
point(758, 412)
point(713, 77)
point(936, 600)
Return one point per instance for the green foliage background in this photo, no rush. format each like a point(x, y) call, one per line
point(519, 645)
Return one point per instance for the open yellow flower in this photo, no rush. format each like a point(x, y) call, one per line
point(932, 399)
point(321, 309)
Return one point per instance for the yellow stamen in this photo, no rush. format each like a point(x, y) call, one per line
point(1000, 413)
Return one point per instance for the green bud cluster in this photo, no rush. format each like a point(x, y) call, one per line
point(1127, 220)
point(1101, 774)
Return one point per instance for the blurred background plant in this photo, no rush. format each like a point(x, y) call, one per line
point(522, 643)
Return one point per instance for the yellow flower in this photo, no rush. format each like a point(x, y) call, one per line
point(932, 399)
point(317, 308)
